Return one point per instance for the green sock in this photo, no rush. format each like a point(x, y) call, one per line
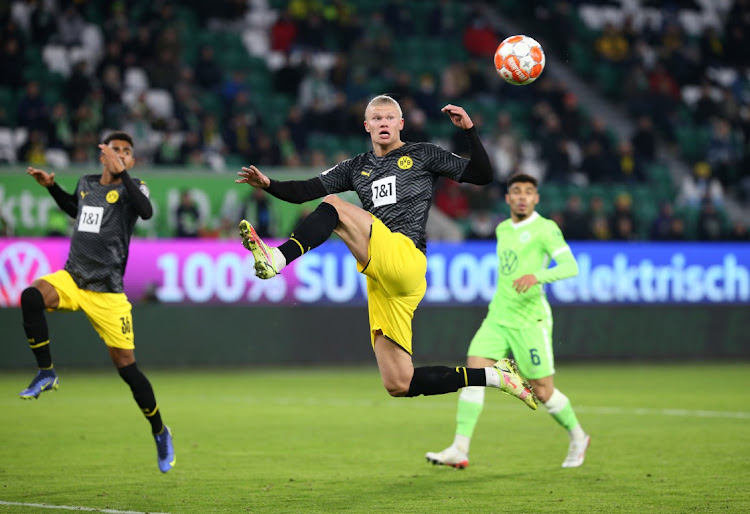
point(560, 408)
point(567, 417)
point(470, 405)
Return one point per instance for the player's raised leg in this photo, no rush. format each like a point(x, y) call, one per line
point(34, 300)
point(313, 231)
point(401, 379)
point(268, 260)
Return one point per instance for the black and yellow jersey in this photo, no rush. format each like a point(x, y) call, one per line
point(397, 188)
point(101, 235)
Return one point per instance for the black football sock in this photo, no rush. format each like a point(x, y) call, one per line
point(35, 326)
point(429, 380)
point(312, 232)
point(143, 394)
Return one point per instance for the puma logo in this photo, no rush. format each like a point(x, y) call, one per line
point(365, 173)
point(83, 194)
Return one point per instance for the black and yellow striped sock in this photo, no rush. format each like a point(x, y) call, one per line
point(143, 394)
point(42, 354)
point(431, 380)
point(35, 326)
point(312, 232)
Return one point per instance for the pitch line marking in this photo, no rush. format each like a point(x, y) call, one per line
point(666, 412)
point(69, 507)
point(639, 411)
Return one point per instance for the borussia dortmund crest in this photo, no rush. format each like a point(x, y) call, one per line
point(405, 162)
point(113, 196)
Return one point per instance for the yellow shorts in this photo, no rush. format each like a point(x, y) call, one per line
point(396, 283)
point(109, 313)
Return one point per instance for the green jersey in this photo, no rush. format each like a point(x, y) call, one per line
point(526, 248)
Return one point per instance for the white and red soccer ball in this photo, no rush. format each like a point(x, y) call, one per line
point(519, 60)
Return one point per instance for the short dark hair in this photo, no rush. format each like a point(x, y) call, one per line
point(522, 177)
point(122, 136)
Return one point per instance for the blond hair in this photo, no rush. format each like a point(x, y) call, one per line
point(384, 100)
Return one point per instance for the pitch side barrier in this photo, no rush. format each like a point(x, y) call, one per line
point(221, 272)
point(629, 301)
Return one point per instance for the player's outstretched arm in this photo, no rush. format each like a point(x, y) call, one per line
point(42, 177)
point(479, 169)
point(458, 116)
point(253, 177)
point(67, 202)
point(292, 191)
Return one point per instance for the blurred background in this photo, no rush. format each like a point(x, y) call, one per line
point(638, 130)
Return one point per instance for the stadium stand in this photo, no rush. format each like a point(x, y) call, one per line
point(272, 81)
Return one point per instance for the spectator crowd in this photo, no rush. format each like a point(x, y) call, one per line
point(285, 84)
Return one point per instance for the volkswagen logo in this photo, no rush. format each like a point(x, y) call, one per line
point(20, 264)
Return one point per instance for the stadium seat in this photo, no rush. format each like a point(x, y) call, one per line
point(234, 161)
point(552, 198)
point(7, 146)
point(690, 215)
point(256, 41)
point(52, 92)
point(693, 141)
point(92, 40)
point(56, 58)
point(160, 102)
point(211, 103)
point(8, 104)
point(609, 79)
point(57, 158)
point(136, 79)
point(35, 71)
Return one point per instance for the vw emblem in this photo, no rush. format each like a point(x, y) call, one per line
point(20, 264)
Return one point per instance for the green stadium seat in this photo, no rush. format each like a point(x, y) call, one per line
point(581, 58)
point(442, 129)
point(690, 215)
point(8, 104)
point(188, 20)
point(552, 198)
point(327, 143)
point(234, 161)
point(7, 96)
point(356, 145)
point(33, 54)
point(693, 141)
point(93, 14)
point(35, 71)
point(211, 103)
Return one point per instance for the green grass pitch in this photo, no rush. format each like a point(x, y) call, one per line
point(665, 438)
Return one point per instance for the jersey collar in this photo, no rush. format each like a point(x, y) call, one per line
point(525, 222)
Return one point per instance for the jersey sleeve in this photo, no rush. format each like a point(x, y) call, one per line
point(444, 163)
point(339, 178)
point(142, 187)
point(557, 248)
point(68, 203)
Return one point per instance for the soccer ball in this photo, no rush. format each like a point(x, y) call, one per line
point(519, 60)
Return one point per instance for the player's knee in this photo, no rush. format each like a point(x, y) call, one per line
point(32, 299)
point(396, 388)
point(332, 199)
point(543, 392)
